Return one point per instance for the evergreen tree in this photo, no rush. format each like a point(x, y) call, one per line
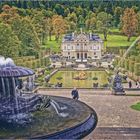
point(9, 42)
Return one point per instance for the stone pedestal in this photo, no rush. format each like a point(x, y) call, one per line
point(117, 85)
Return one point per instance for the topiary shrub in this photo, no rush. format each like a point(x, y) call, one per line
point(94, 78)
point(59, 78)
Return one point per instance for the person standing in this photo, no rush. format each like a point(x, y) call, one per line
point(130, 84)
point(137, 84)
point(75, 94)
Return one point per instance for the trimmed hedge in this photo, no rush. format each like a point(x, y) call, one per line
point(31, 62)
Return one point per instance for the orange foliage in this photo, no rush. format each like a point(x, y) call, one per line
point(129, 22)
point(59, 25)
point(8, 14)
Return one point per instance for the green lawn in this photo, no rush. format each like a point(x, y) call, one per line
point(53, 45)
point(117, 40)
point(136, 106)
point(115, 30)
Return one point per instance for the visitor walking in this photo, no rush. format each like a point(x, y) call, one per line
point(75, 94)
point(130, 84)
point(137, 84)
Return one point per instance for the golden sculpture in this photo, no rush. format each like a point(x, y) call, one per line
point(81, 76)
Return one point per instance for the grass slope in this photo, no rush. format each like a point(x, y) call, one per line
point(136, 106)
point(117, 40)
point(53, 45)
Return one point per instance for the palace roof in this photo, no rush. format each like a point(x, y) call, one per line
point(89, 37)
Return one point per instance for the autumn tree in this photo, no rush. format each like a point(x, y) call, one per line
point(8, 14)
point(129, 22)
point(91, 23)
point(59, 26)
point(138, 17)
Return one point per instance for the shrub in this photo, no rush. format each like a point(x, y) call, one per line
point(94, 78)
point(59, 78)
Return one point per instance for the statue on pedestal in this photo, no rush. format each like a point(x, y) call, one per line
point(117, 84)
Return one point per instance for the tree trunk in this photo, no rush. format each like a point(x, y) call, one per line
point(128, 39)
point(50, 36)
point(105, 35)
point(43, 38)
point(57, 37)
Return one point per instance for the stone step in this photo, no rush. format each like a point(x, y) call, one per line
point(118, 129)
point(116, 137)
point(115, 133)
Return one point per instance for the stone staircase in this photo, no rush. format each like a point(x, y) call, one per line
point(114, 133)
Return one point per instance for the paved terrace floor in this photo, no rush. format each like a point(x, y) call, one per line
point(116, 120)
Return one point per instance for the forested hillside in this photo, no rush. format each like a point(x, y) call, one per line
point(28, 25)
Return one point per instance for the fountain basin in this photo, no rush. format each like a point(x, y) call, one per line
point(79, 121)
point(15, 71)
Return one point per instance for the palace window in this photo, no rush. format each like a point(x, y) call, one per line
point(94, 47)
point(78, 47)
point(69, 47)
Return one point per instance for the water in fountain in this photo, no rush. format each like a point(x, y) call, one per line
point(128, 50)
point(117, 82)
point(58, 108)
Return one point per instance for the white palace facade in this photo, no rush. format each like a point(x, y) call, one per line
point(82, 46)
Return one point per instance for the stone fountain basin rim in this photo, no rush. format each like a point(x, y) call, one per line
point(57, 135)
point(78, 126)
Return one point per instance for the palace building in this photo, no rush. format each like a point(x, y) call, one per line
point(82, 46)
